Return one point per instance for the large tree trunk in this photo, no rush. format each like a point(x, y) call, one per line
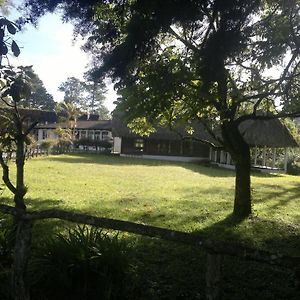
point(240, 153)
point(242, 200)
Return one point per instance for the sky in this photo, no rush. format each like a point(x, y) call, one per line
point(51, 50)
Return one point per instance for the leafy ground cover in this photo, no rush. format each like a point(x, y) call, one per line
point(188, 197)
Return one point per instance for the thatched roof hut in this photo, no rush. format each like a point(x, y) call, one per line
point(270, 133)
point(120, 129)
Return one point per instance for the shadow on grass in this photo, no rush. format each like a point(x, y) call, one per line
point(203, 168)
point(280, 194)
point(257, 232)
point(165, 270)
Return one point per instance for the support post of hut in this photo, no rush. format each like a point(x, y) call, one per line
point(285, 159)
point(210, 153)
point(213, 276)
point(228, 158)
point(273, 158)
point(255, 156)
point(222, 157)
point(169, 147)
point(216, 156)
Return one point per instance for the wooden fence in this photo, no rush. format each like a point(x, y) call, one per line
point(215, 249)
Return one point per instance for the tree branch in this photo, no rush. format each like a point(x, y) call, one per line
point(5, 176)
point(32, 125)
point(181, 39)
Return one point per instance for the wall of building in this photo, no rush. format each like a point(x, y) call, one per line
point(144, 146)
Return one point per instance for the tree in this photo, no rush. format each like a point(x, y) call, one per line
point(68, 112)
point(223, 52)
point(95, 96)
point(87, 95)
point(73, 89)
point(65, 137)
point(39, 98)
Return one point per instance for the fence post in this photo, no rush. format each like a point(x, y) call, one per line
point(213, 276)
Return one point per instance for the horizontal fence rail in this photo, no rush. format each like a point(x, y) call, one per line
point(215, 249)
point(218, 247)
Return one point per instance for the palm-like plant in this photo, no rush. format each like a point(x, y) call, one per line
point(68, 112)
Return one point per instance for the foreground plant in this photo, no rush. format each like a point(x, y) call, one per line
point(85, 263)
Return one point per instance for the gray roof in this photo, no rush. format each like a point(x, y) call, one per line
point(120, 129)
point(270, 133)
point(100, 125)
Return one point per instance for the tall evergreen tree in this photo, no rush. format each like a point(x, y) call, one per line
point(39, 98)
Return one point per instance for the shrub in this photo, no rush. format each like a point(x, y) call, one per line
point(87, 263)
point(47, 145)
point(293, 167)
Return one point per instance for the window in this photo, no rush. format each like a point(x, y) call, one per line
point(45, 134)
point(90, 134)
point(97, 135)
point(139, 144)
point(83, 134)
point(104, 135)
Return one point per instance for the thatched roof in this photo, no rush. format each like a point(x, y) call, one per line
point(84, 125)
point(120, 129)
point(270, 133)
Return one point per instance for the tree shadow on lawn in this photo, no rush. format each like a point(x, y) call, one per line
point(275, 236)
point(40, 227)
point(203, 168)
point(280, 194)
point(166, 270)
point(256, 280)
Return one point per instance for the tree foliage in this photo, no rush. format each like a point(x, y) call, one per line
point(39, 98)
point(224, 61)
point(87, 95)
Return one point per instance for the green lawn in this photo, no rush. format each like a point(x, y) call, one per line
point(189, 197)
point(180, 196)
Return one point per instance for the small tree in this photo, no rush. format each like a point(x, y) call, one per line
point(68, 112)
point(64, 141)
point(15, 138)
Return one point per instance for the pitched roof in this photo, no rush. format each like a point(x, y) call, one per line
point(120, 129)
point(269, 133)
point(100, 125)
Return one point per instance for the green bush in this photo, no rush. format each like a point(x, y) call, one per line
point(87, 263)
point(293, 167)
point(47, 145)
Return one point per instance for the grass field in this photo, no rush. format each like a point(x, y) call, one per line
point(187, 197)
point(180, 196)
